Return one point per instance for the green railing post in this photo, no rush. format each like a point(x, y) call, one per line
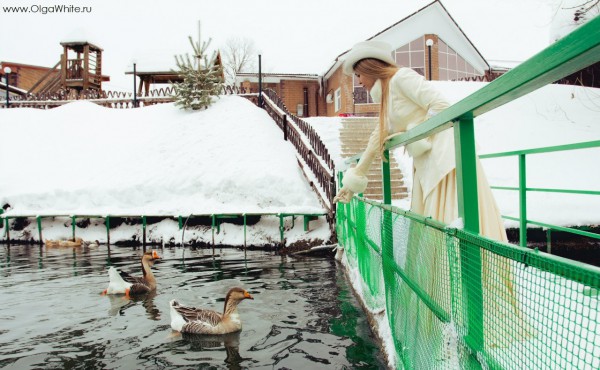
point(39, 224)
point(7, 229)
point(244, 231)
point(213, 230)
point(522, 201)
point(387, 233)
point(281, 228)
point(107, 222)
point(73, 226)
point(144, 233)
point(180, 221)
point(468, 209)
point(466, 173)
point(386, 178)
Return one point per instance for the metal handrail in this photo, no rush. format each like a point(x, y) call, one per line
point(523, 189)
point(575, 51)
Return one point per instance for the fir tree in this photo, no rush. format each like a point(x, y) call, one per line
point(202, 78)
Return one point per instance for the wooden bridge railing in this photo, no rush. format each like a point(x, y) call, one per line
point(312, 151)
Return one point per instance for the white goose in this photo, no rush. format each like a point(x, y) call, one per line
point(123, 283)
point(201, 321)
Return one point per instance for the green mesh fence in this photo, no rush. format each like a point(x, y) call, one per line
point(459, 301)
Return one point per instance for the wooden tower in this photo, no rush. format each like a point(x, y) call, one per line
point(81, 66)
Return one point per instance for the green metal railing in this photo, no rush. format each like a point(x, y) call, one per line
point(457, 299)
point(523, 189)
point(216, 221)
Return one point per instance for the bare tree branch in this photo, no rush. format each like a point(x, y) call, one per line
point(239, 55)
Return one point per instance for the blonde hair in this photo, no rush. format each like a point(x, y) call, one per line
point(383, 71)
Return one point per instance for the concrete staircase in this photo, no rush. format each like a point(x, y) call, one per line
point(354, 136)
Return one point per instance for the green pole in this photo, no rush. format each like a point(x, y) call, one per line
point(73, 226)
point(213, 230)
point(107, 222)
point(468, 209)
point(244, 231)
point(281, 228)
point(39, 224)
point(387, 247)
point(180, 219)
point(386, 178)
point(522, 201)
point(466, 173)
point(144, 233)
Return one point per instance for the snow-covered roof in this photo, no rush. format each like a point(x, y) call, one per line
point(80, 36)
point(275, 77)
point(431, 19)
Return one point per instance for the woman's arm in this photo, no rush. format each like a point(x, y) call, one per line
point(355, 179)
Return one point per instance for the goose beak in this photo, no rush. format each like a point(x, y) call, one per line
point(155, 255)
point(247, 295)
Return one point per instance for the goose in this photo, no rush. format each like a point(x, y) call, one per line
point(201, 321)
point(123, 283)
point(94, 244)
point(71, 243)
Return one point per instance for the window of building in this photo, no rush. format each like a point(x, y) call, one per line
point(452, 65)
point(338, 99)
point(361, 95)
point(412, 55)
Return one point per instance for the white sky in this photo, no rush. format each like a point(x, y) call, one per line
point(293, 36)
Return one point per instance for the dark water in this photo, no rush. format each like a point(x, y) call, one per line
point(52, 315)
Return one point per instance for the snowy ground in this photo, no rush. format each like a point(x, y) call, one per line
point(83, 159)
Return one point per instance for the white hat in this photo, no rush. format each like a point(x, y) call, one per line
point(368, 49)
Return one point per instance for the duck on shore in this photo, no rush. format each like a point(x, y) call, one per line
point(122, 283)
point(70, 243)
point(194, 320)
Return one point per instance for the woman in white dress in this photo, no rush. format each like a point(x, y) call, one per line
point(407, 99)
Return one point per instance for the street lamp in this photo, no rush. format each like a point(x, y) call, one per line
point(260, 102)
point(7, 70)
point(429, 43)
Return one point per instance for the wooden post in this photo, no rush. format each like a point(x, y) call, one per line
point(63, 68)
point(86, 66)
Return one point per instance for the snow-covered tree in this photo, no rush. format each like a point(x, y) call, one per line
point(202, 78)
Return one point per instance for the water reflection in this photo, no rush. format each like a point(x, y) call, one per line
point(53, 316)
point(230, 343)
point(119, 303)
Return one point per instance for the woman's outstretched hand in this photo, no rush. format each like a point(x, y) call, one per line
point(344, 196)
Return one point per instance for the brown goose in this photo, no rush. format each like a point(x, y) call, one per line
point(200, 321)
point(123, 283)
point(71, 243)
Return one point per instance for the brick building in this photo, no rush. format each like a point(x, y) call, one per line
point(301, 93)
point(428, 41)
